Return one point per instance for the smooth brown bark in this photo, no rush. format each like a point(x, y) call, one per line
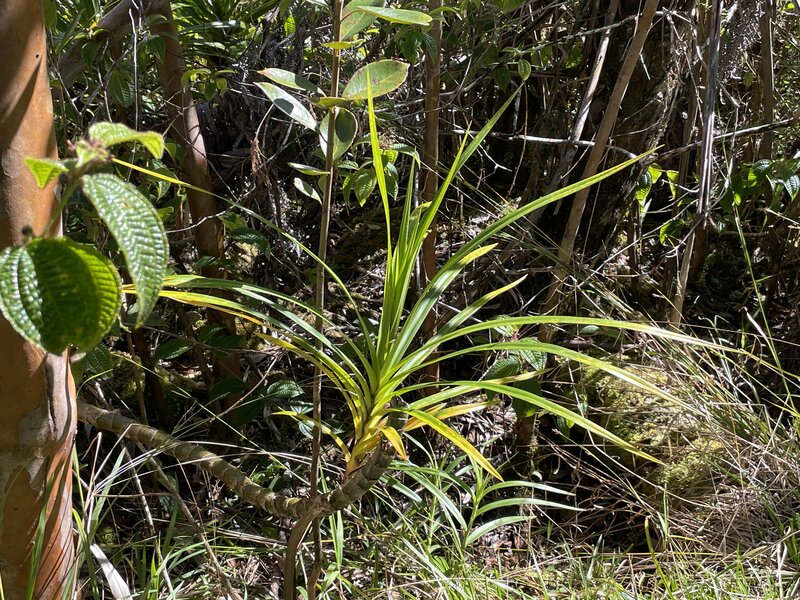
point(36, 389)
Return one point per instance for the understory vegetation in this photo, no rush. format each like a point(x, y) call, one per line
point(475, 299)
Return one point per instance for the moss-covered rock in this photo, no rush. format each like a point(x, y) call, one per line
point(664, 428)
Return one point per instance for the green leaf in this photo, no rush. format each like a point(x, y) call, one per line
point(502, 77)
point(536, 359)
point(510, 5)
point(289, 105)
point(307, 189)
point(307, 169)
point(456, 438)
point(112, 134)
point(503, 367)
point(139, 233)
point(329, 101)
point(44, 170)
point(385, 76)
point(521, 408)
point(396, 15)
point(285, 389)
point(291, 80)
point(98, 360)
point(363, 183)
point(589, 330)
point(345, 130)
point(524, 69)
point(342, 45)
point(492, 525)
point(120, 88)
point(172, 349)
point(354, 20)
point(57, 293)
point(226, 387)
point(247, 235)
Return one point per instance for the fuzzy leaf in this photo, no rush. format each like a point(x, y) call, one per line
point(503, 367)
point(57, 293)
point(285, 389)
point(112, 134)
point(139, 233)
point(44, 170)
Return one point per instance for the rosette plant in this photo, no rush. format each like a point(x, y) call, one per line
point(377, 372)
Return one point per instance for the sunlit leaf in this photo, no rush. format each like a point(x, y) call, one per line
point(353, 20)
point(385, 76)
point(289, 105)
point(112, 134)
point(396, 15)
point(139, 233)
point(290, 80)
point(57, 293)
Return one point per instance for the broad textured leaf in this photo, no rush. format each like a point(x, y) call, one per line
point(792, 185)
point(345, 130)
point(57, 293)
point(521, 408)
point(139, 233)
point(524, 69)
point(396, 15)
point(363, 183)
point(44, 170)
point(289, 105)
point(354, 20)
point(120, 88)
point(98, 360)
point(291, 80)
point(385, 76)
point(536, 359)
point(502, 367)
point(285, 388)
point(111, 134)
point(172, 349)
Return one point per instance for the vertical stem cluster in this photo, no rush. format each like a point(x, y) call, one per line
point(430, 161)
point(301, 527)
point(696, 243)
point(596, 155)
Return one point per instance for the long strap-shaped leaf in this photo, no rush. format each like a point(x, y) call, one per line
point(277, 505)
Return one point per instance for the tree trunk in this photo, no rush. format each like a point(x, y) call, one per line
point(36, 389)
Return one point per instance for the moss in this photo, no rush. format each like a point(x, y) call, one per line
point(126, 377)
point(659, 426)
point(693, 469)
